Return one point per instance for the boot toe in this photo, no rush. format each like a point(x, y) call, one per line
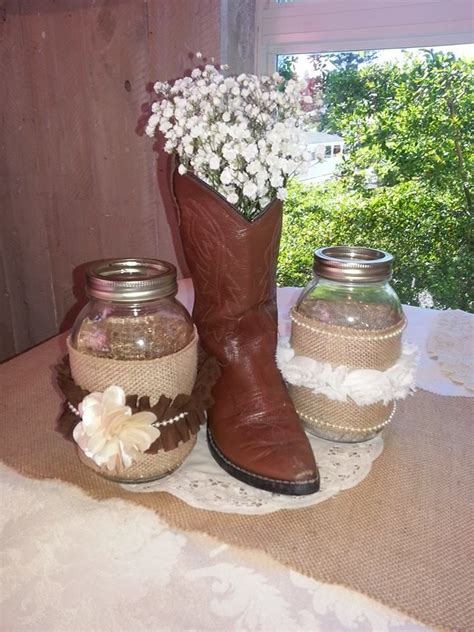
point(263, 453)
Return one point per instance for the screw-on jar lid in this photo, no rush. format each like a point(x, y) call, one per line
point(131, 280)
point(353, 264)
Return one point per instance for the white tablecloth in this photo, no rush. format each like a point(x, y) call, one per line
point(72, 563)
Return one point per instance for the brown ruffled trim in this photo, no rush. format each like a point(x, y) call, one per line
point(180, 431)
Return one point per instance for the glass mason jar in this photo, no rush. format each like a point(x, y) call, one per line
point(351, 288)
point(134, 333)
point(133, 313)
point(348, 315)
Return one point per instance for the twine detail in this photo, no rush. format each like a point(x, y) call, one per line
point(338, 332)
point(369, 429)
point(336, 345)
point(157, 424)
point(168, 422)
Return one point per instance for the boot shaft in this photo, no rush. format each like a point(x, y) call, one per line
point(232, 263)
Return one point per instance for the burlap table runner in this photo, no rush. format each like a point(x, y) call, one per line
point(404, 536)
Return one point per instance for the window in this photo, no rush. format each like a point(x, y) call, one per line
point(338, 25)
point(362, 195)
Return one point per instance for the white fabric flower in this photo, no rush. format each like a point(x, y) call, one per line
point(109, 434)
point(340, 383)
point(182, 170)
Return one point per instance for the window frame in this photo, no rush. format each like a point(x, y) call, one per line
point(312, 26)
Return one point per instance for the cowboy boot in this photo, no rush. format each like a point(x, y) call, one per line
point(253, 430)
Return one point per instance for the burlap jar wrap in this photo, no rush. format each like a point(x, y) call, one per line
point(341, 346)
point(170, 375)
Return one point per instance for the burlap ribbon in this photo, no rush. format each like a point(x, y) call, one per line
point(344, 418)
point(168, 376)
point(353, 348)
point(342, 346)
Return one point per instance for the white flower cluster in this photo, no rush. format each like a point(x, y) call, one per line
point(341, 383)
point(241, 135)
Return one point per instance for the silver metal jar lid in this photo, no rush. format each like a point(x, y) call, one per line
point(131, 280)
point(353, 264)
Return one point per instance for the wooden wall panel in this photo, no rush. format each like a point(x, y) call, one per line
point(24, 237)
point(7, 337)
point(78, 181)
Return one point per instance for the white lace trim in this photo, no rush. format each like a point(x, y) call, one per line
point(363, 386)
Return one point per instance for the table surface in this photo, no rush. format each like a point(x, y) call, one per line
point(73, 563)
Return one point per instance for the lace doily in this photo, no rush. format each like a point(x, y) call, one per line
point(201, 483)
point(449, 343)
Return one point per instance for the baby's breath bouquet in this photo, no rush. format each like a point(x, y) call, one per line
point(241, 135)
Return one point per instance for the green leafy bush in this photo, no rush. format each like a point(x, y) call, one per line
point(407, 120)
point(424, 229)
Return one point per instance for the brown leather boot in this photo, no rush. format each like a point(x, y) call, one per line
point(253, 430)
